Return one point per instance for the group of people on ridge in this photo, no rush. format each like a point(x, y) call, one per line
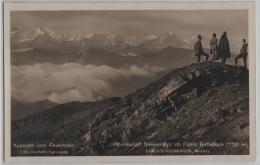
point(220, 49)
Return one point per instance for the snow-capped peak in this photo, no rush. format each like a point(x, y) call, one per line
point(151, 37)
point(52, 33)
point(102, 38)
point(107, 35)
point(132, 40)
point(39, 32)
point(88, 36)
point(73, 38)
point(170, 33)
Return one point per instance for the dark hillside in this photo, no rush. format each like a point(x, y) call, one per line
point(206, 102)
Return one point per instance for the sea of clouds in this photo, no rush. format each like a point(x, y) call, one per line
point(72, 81)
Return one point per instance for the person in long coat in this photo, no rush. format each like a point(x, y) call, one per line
point(224, 48)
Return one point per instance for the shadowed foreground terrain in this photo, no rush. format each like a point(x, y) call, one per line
point(197, 109)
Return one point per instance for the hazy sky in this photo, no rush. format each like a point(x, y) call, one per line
point(140, 23)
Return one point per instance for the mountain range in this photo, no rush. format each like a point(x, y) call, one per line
point(46, 45)
point(96, 40)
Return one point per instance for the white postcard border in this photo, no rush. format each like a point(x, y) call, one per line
point(12, 6)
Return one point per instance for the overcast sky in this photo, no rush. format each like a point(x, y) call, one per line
point(140, 23)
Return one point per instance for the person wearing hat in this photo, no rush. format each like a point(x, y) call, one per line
point(243, 53)
point(198, 49)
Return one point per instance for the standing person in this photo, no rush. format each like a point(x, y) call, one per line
point(223, 48)
point(198, 49)
point(243, 53)
point(213, 46)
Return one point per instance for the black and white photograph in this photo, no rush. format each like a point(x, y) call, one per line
point(129, 82)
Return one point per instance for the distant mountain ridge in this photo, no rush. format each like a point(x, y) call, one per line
point(165, 40)
point(47, 40)
point(103, 48)
point(100, 39)
point(21, 110)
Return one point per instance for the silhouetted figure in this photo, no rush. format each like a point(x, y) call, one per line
point(213, 46)
point(243, 53)
point(223, 48)
point(198, 49)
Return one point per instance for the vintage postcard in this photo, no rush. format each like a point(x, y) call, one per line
point(129, 82)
